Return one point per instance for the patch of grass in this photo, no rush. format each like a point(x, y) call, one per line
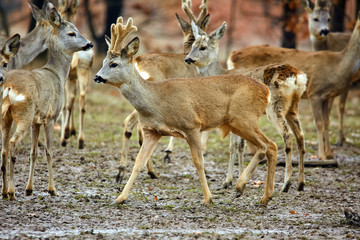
point(144, 227)
point(169, 207)
point(85, 216)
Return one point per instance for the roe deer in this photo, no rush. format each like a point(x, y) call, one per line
point(34, 98)
point(161, 66)
point(185, 107)
point(322, 39)
point(286, 83)
point(329, 74)
point(7, 52)
point(79, 76)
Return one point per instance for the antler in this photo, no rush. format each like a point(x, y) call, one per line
point(186, 6)
point(119, 32)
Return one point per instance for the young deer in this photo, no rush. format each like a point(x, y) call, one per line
point(185, 107)
point(322, 39)
point(7, 52)
point(161, 66)
point(79, 76)
point(329, 74)
point(32, 44)
point(34, 98)
point(286, 83)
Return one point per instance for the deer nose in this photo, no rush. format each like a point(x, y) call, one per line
point(99, 79)
point(1, 79)
point(189, 60)
point(88, 46)
point(324, 32)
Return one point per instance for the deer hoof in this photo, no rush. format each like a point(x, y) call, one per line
point(63, 143)
point(67, 133)
point(301, 186)
point(73, 132)
point(226, 184)
point(4, 196)
point(28, 192)
point(52, 193)
point(12, 196)
point(167, 156)
point(81, 144)
point(153, 175)
point(286, 187)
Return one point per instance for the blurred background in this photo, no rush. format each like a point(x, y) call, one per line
point(250, 22)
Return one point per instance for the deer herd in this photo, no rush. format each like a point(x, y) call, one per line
point(180, 95)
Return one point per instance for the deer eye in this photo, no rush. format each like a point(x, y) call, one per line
point(113, 65)
point(5, 65)
point(329, 19)
point(202, 48)
point(72, 34)
point(316, 19)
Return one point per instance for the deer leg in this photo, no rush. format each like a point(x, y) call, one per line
point(35, 130)
point(316, 106)
point(293, 120)
point(129, 124)
point(19, 134)
point(194, 141)
point(49, 128)
point(328, 151)
point(204, 140)
point(6, 130)
point(276, 115)
point(169, 149)
point(148, 146)
point(264, 147)
point(341, 110)
point(237, 146)
point(70, 92)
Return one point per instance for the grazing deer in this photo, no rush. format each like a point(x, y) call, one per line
point(286, 83)
point(161, 66)
point(185, 107)
point(32, 44)
point(329, 74)
point(322, 39)
point(34, 98)
point(79, 76)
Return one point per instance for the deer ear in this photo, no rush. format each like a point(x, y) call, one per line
point(11, 46)
point(74, 4)
point(35, 11)
point(185, 26)
point(308, 5)
point(218, 33)
point(54, 17)
point(107, 40)
point(205, 22)
point(195, 30)
point(133, 47)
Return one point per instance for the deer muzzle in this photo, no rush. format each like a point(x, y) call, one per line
point(189, 60)
point(87, 46)
point(99, 79)
point(324, 32)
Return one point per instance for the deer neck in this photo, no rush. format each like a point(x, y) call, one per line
point(213, 69)
point(59, 62)
point(30, 46)
point(350, 62)
point(318, 44)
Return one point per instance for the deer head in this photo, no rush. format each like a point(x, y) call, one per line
point(9, 50)
point(64, 35)
point(205, 48)
point(117, 65)
point(319, 17)
point(202, 21)
point(68, 9)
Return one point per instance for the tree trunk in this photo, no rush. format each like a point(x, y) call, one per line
point(357, 8)
point(338, 14)
point(4, 24)
point(113, 11)
point(289, 24)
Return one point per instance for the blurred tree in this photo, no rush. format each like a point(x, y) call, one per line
point(357, 8)
point(290, 18)
point(113, 11)
point(338, 14)
point(4, 27)
point(39, 4)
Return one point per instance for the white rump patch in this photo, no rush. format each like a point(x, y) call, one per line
point(143, 74)
point(302, 81)
point(230, 64)
point(13, 95)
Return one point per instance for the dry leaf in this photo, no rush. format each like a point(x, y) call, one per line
point(57, 126)
point(313, 157)
point(258, 183)
point(155, 198)
point(150, 188)
point(306, 214)
point(293, 212)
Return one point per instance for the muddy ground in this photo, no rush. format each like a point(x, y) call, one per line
point(170, 207)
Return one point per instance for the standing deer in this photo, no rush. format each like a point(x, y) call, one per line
point(7, 53)
point(34, 98)
point(185, 107)
point(286, 83)
point(79, 76)
point(322, 39)
point(329, 74)
point(161, 66)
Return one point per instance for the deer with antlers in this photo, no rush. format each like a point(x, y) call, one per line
point(185, 107)
point(322, 39)
point(79, 76)
point(286, 84)
point(329, 74)
point(32, 98)
point(161, 66)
